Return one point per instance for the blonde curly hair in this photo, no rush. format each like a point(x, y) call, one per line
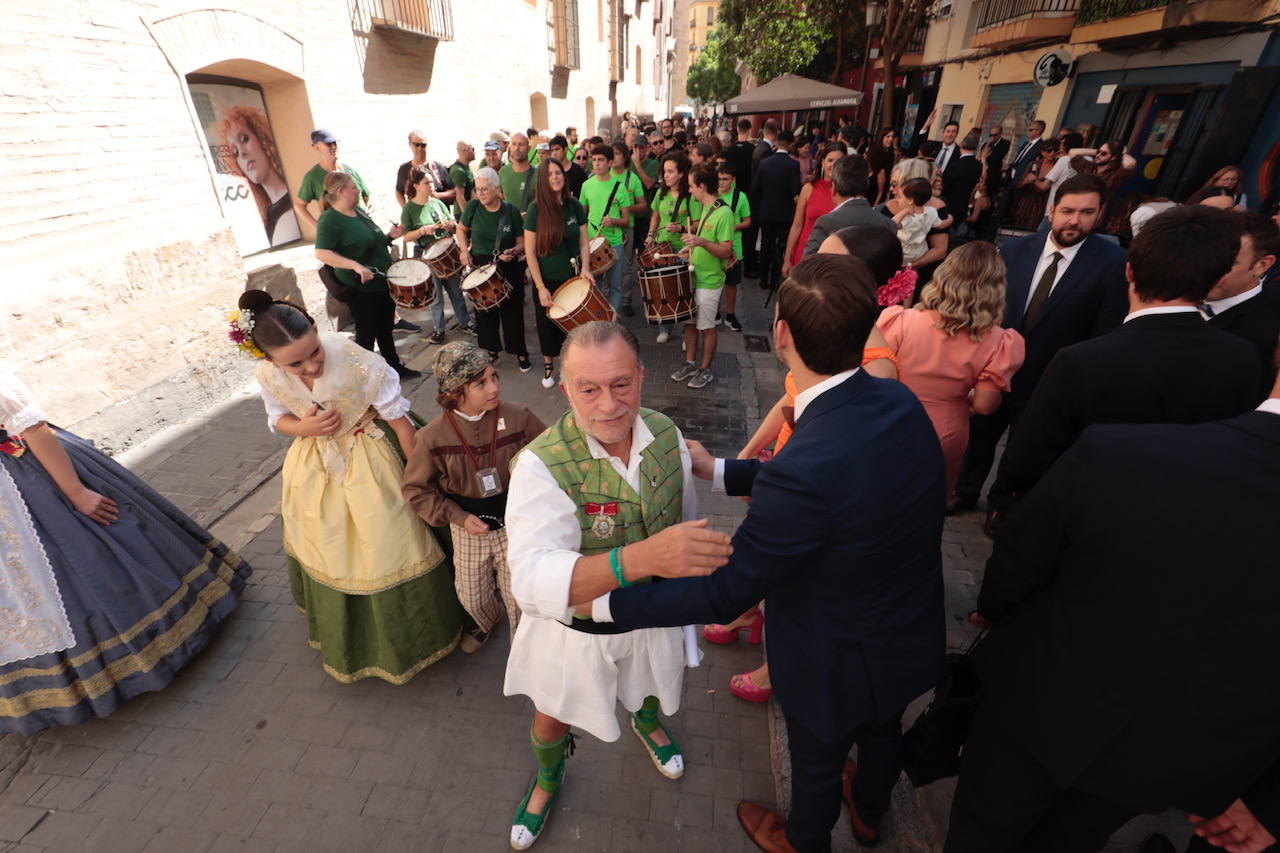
point(967, 290)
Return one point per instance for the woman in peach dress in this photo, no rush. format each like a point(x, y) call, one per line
point(951, 351)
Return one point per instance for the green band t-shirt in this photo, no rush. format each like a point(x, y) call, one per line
point(482, 226)
point(558, 265)
point(513, 189)
point(313, 183)
point(413, 216)
point(357, 238)
point(708, 270)
point(595, 195)
point(463, 179)
point(740, 211)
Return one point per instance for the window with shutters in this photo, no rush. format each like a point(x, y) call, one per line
point(431, 18)
point(711, 16)
point(563, 22)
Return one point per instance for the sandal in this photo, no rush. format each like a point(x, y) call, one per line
point(548, 375)
point(668, 759)
point(744, 688)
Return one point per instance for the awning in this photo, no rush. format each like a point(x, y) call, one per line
point(792, 92)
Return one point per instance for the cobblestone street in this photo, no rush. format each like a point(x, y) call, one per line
point(253, 748)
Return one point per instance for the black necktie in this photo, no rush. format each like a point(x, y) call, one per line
point(945, 159)
point(1041, 294)
point(1206, 309)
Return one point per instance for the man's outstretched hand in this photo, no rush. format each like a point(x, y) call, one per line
point(704, 464)
point(683, 550)
point(1236, 830)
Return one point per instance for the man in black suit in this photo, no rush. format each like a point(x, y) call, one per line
point(851, 566)
point(1027, 154)
point(996, 150)
point(773, 205)
point(1134, 663)
point(948, 152)
point(741, 156)
point(766, 146)
point(849, 183)
point(1063, 287)
point(1164, 365)
point(1237, 303)
point(960, 177)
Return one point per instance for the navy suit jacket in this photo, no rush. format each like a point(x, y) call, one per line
point(775, 188)
point(843, 537)
point(1092, 297)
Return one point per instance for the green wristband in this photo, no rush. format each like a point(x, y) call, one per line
point(615, 563)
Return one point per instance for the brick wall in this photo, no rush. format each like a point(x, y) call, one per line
point(118, 261)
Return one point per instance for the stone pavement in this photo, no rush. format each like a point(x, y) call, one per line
point(253, 748)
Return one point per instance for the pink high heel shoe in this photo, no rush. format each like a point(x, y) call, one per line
point(744, 688)
point(725, 636)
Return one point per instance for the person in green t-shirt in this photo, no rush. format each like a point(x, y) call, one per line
point(708, 247)
point(488, 233)
point(325, 145)
point(555, 237)
point(464, 181)
point(427, 219)
point(517, 176)
point(623, 172)
point(354, 247)
point(740, 207)
point(670, 214)
point(606, 201)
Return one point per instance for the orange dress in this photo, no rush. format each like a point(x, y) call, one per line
point(942, 369)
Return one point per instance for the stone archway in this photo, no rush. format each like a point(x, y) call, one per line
point(538, 111)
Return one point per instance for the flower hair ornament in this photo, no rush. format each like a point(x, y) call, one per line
point(240, 333)
point(898, 288)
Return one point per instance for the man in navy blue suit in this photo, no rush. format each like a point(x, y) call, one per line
point(1064, 287)
point(843, 537)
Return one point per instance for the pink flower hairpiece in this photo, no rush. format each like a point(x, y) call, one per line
point(898, 288)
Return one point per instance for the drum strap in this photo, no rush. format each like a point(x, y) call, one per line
point(707, 215)
point(504, 216)
point(528, 182)
point(608, 204)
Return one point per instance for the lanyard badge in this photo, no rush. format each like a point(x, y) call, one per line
point(487, 479)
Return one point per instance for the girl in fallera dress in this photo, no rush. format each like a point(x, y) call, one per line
point(106, 588)
point(371, 578)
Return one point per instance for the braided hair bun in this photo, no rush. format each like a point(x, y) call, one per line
point(276, 323)
point(255, 300)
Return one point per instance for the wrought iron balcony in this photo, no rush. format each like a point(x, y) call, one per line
point(996, 13)
point(916, 42)
point(431, 18)
point(1092, 11)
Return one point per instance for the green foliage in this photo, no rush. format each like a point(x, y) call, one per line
point(712, 79)
point(776, 37)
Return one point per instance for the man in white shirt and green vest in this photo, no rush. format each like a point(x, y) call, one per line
point(603, 499)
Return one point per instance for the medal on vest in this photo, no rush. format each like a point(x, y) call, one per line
point(603, 525)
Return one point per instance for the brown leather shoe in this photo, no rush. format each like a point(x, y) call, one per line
point(863, 834)
point(764, 827)
point(993, 522)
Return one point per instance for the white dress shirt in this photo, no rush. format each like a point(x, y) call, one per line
point(544, 535)
point(944, 156)
point(1068, 255)
point(1220, 305)
point(1161, 309)
point(1271, 406)
point(803, 399)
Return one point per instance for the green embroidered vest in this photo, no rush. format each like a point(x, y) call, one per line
point(563, 449)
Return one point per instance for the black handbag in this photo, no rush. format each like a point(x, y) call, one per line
point(932, 746)
point(336, 288)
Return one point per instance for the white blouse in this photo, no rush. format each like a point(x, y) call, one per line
point(18, 408)
point(387, 396)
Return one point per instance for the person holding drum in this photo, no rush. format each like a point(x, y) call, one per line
point(427, 221)
point(555, 235)
point(352, 243)
point(622, 172)
point(708, 247)
point(606, 201)
point(674, 208)
point(487, 236)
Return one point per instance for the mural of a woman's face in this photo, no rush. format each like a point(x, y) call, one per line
point(250, 156)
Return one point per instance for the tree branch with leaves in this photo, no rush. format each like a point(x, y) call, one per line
point(901, 20)
point(713, 78)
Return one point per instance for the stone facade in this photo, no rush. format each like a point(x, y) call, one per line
point(119, 255)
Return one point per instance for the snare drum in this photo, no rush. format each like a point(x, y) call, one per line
point(409, 281)
point(657, 255)
point(602, 256)
point(668, 293)
point(576, 303)
point(444, 257)
point(486, 288)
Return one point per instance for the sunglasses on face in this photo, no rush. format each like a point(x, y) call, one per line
point(418, 144)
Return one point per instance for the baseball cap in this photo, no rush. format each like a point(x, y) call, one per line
point(492, 146)
point(322, 135)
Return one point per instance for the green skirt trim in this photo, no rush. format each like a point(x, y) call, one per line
point(392, 635)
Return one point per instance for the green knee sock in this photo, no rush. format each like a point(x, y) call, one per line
point(550, 756)
point(647, 717)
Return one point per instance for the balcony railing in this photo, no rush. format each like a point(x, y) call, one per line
point(432, 18)
point(916, 42)
point(1092, 11)
point(997, 12)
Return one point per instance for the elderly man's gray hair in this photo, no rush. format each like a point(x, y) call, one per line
point(598, 333)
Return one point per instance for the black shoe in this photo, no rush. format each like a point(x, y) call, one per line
point(405, 326)
point(732, 322)
point(493, 358)
point(524, 363)
point(407, 372)
point(437, 337)
point(1157, 843)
